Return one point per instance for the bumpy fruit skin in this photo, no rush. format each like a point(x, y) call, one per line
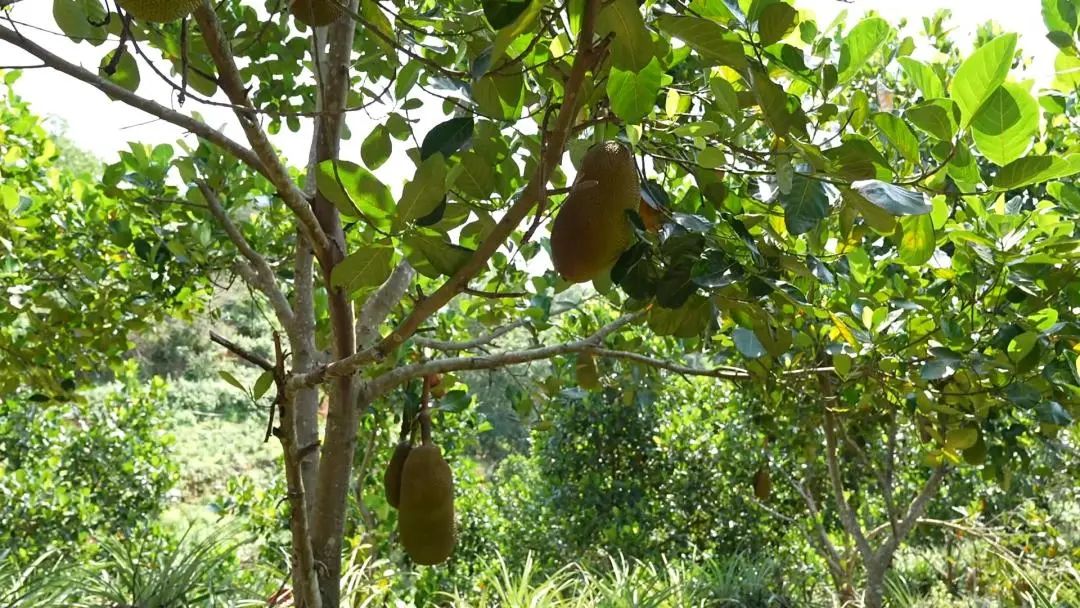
point(392, 476)
point(591, 229)
point(316, 13)
point(159, 11)
point(426, 510)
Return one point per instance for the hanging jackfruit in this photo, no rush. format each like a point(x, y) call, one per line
point(426, 509)
point(159, 11)
point(762, 483)
point(392, 476)
point(316, 13)
point(591, 229)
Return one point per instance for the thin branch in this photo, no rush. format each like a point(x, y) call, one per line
point(847, 515)
point(266, 281)
point(917, 509)
point(400, 375)
point(119, 93)
point(377, 307)
point(483, 340)
point(233, 85)
point(240, 351)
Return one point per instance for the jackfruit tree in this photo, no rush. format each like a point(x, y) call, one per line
point(872, 234)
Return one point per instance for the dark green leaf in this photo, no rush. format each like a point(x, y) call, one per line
point(806, 205)
point(447, 137)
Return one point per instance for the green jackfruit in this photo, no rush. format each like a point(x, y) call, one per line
point(426, 509)
point(392, 475)
point(316, 13)
point(591, 229)
point(159, 11)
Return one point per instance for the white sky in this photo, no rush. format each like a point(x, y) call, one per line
point(103, 127)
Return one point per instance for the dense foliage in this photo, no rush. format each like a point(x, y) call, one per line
point(859, 247)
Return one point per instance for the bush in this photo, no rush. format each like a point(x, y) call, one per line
point(98, 464)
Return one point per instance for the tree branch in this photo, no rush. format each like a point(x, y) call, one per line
point(274, 170)
point(265, 279)
point(153, 108)
point(400, 375)
point(378, 306)
point(916, 510)
point(551, 153)
point(847, 515)
point(240, 351)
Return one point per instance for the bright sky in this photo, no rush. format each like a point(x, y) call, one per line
point(103, 127)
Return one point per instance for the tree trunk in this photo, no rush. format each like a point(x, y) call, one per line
point(874, 594)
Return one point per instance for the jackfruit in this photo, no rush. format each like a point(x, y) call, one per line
point(591, 229)
point(762, 483)
point(392, 476)
point(159, 11)
point(426, 509)
point(316, 13)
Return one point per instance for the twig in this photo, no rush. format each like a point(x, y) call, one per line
point(240, 351)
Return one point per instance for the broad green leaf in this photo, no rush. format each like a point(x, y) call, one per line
point(1060, 18)
point(747, 343)
point(633, 94)
point(893, 199)
point(367, 267)
point(371, 11)
point(355, 191)
point(407, 77)
point(935, 117)
point(1066, 72)
point(1035, 169)
point(1051, 412)
point(710, 39)
point(74, 17)
point(936, 369)
point(689, 320)
point(524, 22)
point(773, 101)
point(433, 255)
point(425, 192)
point(980, 74)
point(447, 137)
point(806, 205)
point(376, 147)
point(861, 43)
point(877, 218)
point(263, 384)
point(917, 240)
point(499, 96)
point(961, 439)
point(1006, 124)
point(923, 77)
point(776, 21)
point(899, 135)
point(231, 379)
point(474, 176)
point(126, 73)
point(632, 46)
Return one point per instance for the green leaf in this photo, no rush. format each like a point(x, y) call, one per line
point(710, 39)
point(1066, 72)
point(425, 192)
point(1060, 17)
point(917, 241)
point(773, 101)
point(474, 176)
point(632, 47)
point(407, 77)
point(1051, 412)
point(433, 255)
point(499, 96)
point(1006, 124)
point(861, 43)
point(805, 206)
point(980, 74)
point(899, 135)
point(923, 77)
point(355, 191)
point(73, 17)
point(1035, 169)
point(633, 94)
point(776, 21)
point(376, 147)
point(126, 74)
point(936, 117)
point(263, 384)
point(936, 369)
point(524, 22)
point(231, 379)
point(961, 439)
point(893, 199)
point(501, 13)
point(747, 343)
point(447, 137)
point(367, 267)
